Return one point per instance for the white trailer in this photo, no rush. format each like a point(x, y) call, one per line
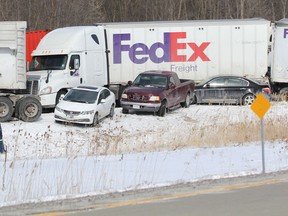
point(110, 54)
point(15, 96)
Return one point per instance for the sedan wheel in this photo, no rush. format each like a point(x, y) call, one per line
point(248, 99)
point(95, 120)
point(111, 114)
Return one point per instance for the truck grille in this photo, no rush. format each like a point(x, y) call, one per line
point(137, 97)
point(32, 87)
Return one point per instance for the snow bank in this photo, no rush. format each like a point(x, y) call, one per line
point(48, 161)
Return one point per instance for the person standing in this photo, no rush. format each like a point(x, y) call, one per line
point(2, 149)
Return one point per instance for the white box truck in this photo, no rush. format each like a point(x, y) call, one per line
point(15, 95)
point(110, 54)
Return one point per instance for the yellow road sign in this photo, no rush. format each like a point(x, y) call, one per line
point(260, 105)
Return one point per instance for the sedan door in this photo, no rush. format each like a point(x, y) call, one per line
point(213, 91)
point(235, 89)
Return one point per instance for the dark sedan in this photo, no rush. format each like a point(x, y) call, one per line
point(229, 90)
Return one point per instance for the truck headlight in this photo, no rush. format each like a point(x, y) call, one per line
point(154, 98)
point(124, 96)
point(47, 90)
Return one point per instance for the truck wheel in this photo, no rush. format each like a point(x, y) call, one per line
point(125, 111)
point(284, 94)
point(248, 99)
point(163, 108)
point(59, 95)
point(30, 109)
point(187, 101)
point(6, 109)
point(95, 120)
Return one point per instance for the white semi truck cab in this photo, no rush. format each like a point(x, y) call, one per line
point(65, 58)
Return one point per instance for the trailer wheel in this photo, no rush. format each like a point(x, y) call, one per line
point(6, 109)
point(284, 94)
point(30, 109)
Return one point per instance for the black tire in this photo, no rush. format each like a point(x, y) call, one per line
point(6, 109)
point(163, 109)
point(194, 100)
point(125, 111)
point(284, 94)
point(60, 94)
point(30, 109)
point(112, 109)
point(187, 101)
point(248, 99)
point(95, 120)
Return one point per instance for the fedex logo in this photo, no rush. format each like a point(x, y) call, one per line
point(139, 53)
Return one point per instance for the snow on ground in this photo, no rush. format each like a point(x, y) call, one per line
point(47, 161)
point(197, 126)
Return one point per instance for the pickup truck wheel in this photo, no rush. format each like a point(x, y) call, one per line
point(30, 109)
point(6, 109)
point(163, 108)
point(125, 111)
point(248, 99)
point(187, 101)
point(95, 120)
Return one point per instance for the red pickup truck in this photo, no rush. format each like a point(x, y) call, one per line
point(157, 91)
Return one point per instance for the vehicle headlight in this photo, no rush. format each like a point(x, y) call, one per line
point(46, 90)
point(89, 112)
point(59, 109)
point(154, 98)
point(124, 96)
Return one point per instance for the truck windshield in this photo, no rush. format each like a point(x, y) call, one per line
point(51, 62)
point(150, 80)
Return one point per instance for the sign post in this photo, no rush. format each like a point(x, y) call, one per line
point(260, 106)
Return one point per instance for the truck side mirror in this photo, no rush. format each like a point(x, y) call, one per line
point(129, 83)
point(172, 86)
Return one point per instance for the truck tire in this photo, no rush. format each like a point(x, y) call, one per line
point(248, 99)
point(6, 109)
point(163, 109)
point(284, 94)
point(187, 101)
point(125, 111)
point(60, 94)
point(30, 109)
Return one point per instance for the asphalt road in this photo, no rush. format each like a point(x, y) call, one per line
point(262, 195)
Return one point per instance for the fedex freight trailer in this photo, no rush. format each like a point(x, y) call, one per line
point(110, 54)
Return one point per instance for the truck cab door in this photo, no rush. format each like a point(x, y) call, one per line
point(172, 95)
point(75, 75)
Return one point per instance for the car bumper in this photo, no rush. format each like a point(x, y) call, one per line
point(147, 107)
point(79, 119)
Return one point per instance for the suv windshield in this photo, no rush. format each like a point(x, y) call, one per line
point(51, 62)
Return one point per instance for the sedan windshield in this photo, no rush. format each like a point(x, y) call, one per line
point(51, 62)
point(81, 96)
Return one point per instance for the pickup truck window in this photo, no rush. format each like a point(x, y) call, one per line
point(151, 80)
